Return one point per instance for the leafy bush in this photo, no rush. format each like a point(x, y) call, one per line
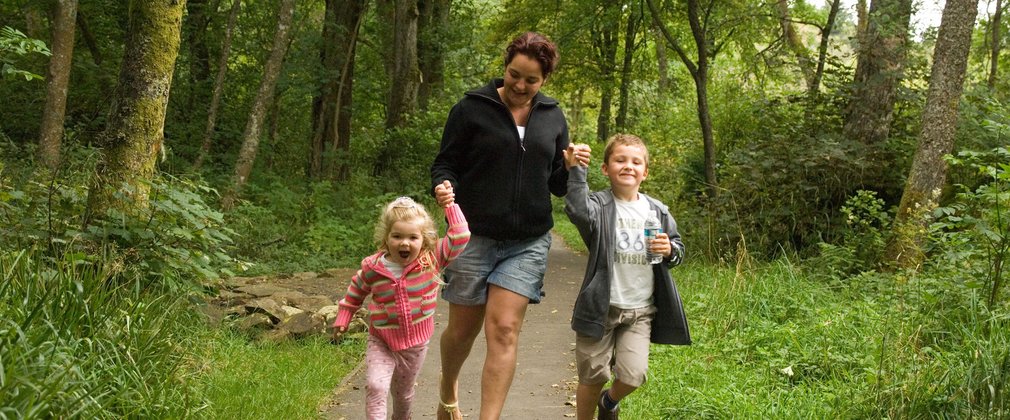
point(178, 240)
point(14, 44)
point(79, 341)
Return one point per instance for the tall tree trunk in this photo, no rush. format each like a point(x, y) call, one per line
point(795, 43)
point(404, 76)
point(862, 21)
point(630, 33)
point(133, 137)
point(264, 97)
point(822, 50)
point(196, 23)
point(89, 38)
point(663, 62)
point(879, 70)
point(331, 108)
point(33, 20)
point(433, 24)
point(604, 36)
point(215, 100)
point(994, 49)
point(928, 174)
point(699, 72)
point(341, 166)
point(57, 78)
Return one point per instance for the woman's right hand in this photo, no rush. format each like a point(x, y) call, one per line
point(444, 194)
point(577, 154)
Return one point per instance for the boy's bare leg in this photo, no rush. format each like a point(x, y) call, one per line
point(586, 398)
point(464, 325)
point(503, 320)
point(619, 390)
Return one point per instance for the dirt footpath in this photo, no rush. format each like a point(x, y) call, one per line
point(545, 380)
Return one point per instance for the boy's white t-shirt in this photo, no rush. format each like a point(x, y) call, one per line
point(632, 284)
point(522, 131)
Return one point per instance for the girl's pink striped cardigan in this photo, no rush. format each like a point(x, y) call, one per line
point(401, 310)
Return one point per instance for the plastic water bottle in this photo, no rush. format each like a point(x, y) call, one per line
point(652, 228)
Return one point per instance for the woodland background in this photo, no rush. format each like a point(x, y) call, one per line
point(808, 149)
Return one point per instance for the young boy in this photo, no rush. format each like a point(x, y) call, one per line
point(624, 303)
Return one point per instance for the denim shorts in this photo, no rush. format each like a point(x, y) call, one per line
point(515, 265)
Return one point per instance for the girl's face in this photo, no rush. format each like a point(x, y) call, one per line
point(523, 79)
point(404, 241)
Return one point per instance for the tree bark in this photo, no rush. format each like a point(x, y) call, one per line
point(404, 77)
point(264, 97)
point(662, 61)
point(57, 80)
point(433, 23)
point(630, 33)
point(928, 174)
point(196, 23)
point(331, 118)
point(994, 49)
point(33, 20)
point(215, 100)
point(605, 46)
point(879, 70)
point(795, 43)
point(822, 50)
point(89, 39)
point(133, 137)
point(699, 72)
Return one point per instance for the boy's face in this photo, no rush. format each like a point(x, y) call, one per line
point(626, 168)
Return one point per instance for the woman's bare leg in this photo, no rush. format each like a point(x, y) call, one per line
point(503, 319)
point(464, 324)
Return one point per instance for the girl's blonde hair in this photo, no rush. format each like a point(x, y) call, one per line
point(405, 208)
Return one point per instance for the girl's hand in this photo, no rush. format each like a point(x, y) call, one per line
point(662, 244)
point(577, 154)
point(444, 194)
point(338, 334)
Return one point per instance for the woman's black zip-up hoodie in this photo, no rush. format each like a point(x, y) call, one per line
point(503, 184)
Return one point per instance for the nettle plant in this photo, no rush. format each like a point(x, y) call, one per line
point(971, 236)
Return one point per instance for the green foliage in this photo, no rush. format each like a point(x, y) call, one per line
point(971, 235)
point(176, 242)
point(771, 342)
point(862, 241)
point(13, 45)
point(79, 340)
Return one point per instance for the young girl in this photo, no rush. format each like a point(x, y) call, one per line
point(403, 279)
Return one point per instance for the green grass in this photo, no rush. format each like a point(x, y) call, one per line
point(288, 380)
point(78, 341)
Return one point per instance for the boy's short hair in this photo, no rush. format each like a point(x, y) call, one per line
point(621, 139)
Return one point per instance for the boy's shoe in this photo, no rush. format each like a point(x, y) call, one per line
point(602, 412)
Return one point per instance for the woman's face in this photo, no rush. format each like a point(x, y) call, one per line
point(523, 78)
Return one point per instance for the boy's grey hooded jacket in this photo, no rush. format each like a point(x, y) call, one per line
point(594, 215)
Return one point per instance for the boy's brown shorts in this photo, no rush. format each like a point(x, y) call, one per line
point(624, 348)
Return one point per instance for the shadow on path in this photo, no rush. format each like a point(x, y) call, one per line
point(545, 380)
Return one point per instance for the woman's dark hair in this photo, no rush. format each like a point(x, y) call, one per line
point(538, 47)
